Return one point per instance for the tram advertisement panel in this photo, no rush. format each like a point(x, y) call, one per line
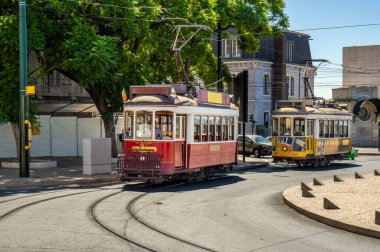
point(332, 146)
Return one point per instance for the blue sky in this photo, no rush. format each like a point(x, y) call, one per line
point(328, 44)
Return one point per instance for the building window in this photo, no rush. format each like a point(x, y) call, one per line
point(290, 52)
point(266, 119)
point(291, 88)
point(227, 48)
point(235, 49)
point(266, 84)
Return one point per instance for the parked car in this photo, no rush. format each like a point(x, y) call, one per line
point(255, 144)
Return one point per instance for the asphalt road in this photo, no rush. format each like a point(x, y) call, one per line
point(240, 211)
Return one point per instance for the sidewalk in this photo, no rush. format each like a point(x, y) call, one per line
point(367, 150)
point(70, 172)
point(356, 202)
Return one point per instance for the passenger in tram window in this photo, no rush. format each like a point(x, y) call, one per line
point(128, 132)
point(158, 132)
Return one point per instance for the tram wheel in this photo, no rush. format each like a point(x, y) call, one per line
point(316, 163)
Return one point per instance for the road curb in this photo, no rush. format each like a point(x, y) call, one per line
point(331, 222)
point(369, 154)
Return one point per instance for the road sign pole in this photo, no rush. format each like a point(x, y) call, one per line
point(22, 31)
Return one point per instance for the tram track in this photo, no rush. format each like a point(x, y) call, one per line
point(19, 208)
point(133, 215)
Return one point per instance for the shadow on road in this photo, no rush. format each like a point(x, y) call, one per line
point(180, 186)
point(284, 168)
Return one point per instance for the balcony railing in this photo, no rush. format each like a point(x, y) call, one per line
point(66, 88)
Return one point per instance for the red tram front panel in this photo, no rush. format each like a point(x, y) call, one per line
point(211, 154)
point(172, 153)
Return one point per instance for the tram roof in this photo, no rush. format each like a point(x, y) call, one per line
point(310, 110)
point(177, 100)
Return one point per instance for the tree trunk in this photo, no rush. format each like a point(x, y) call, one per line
point(16, 134)
point(109, 128)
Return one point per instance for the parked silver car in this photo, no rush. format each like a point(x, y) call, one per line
point(255, 144)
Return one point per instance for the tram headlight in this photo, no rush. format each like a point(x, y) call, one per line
point(142, 158)
point(284, 148)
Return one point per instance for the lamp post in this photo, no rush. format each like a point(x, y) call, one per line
point(22, 31)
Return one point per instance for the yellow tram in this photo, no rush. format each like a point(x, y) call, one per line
point(305, 133)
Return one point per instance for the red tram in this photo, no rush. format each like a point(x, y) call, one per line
point(169, 134)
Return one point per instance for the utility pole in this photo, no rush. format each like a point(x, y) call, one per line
point(22, 31)
point(220, 65)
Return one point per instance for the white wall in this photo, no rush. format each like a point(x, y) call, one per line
point(59, 136)
point(41, 145)
point(7, 141)
point(64, 136)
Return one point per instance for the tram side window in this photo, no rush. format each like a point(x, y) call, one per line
point(197, 128)
point(218, 128)
point(225, 128)
point(321, 129)
point(285, 126)
point(164, 125)
point(341, 128)
point(299, 126)
point(231, 126)
point(211, 131)
point(336, 128)
point(345, 128)
point(275, 127)
point(144, 124)
point(204, 128)
point(180, 126)
point(129, 124)
point(326, 128)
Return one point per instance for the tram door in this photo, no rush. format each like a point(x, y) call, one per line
point(309, 136)
point(180, 144)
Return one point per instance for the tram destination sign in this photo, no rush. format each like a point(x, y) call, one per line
point(206, 96)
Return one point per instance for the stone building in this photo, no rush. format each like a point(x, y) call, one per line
point(361, 77)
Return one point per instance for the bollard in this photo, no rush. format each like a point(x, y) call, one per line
point(377, 217)
point(307, 194)
point(327, 204)
point(305, 187)
point(338, 179)
point(317, 182)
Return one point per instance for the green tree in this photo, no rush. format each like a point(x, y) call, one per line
point(106, 44)
point(9, 59)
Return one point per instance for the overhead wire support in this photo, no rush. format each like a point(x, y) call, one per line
point(179, 43)
point(309, 70)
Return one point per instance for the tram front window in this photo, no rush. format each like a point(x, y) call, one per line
point(285, 126)
point(163, 125)
point(143, 124)
point(299, 127)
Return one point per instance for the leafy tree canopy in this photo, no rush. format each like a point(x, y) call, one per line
point(107, 44)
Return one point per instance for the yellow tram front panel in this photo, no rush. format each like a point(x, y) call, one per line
point(294, 147)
